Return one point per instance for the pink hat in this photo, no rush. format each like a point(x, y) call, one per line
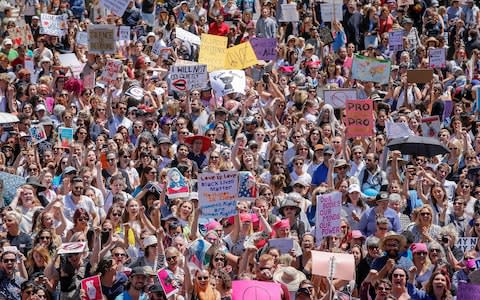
point(419, 247)
point(212, 225)
point(282, 224)
point(245, 217)
point(357, 234)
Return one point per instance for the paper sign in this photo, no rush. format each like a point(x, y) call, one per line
point(395, 40)
point(37, 134)
point(213, 50)
point(404, 2)
point(93, 288)
point(325, 35)
point(247, 186)
point(11, 183)
point(82, 38)
point(467, 291)
point(124, 33)
point(188, 77)
point(466, 243)
point(255, 290)
point(225, 82)
point(217, 194)
point(168, 281)
point(74, 247)
point(187, 36)
point(359, 120)
point(197, 251)
point(55, 25)
point(338, 97)
point(101, 39)
point(431, 126)
point(344, 264)
point(177, 186)
point(65, 135)
point(447, 108)
point(240, 57)
point(327, 215)
point(265, 49)
point(110, 73)
point(284, 245)
point(117, 7)
point(21, 34)
point(135, 92)
point(419, 75)
point(370, 69)
point(89, 81)
point(436, 58)
point(332, 11)
point(289, 13)
point(70, 60)
point(397, 130)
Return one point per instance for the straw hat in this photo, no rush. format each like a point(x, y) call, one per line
point(393, 236)
point(290, 277)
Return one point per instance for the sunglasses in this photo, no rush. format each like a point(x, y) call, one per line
point(201, 278)
point(171, 258)
point(119, 254)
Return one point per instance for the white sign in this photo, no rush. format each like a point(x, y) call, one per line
point(55, 25)
point(217, 194)
point(70, 60)
point(124, 33)
point(431, 126)
point(284, 245)
point(111, 71)
point(332, 11)
point(397, 130)
point(187, 36)
point(289, 13)
point(188, 77)
point(37, 133)
point(82, 38)
point(466, 243)
point(225, 82)
point(327, 216)
point(436, 58)
point(395, 40)
point(117, 7)
point(337, 97)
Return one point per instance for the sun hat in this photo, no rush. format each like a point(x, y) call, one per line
point(290, 277)
point(354, 188)
point(149, 241)
point(393, 236)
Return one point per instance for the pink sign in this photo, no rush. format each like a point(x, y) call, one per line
point(256, 290)
point(168, 281)
point(339, 265)
point(359, 120)
point(92, 288)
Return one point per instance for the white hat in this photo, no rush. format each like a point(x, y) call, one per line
point(149, 241)
point(289, 276)
point(354, 188)
point(40, 107)
point(7, 41)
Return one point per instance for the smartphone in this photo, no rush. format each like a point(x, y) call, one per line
point(266, 78)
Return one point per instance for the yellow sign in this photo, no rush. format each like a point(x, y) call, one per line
point(213, 51)
point(240, 57)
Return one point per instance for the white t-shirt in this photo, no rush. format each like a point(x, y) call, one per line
point(85, 203)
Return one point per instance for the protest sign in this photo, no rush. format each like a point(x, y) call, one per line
point(55, 25)
point(265, 49)
point(213, 50)
point(240, 57)
point(289, 13)
point(419, 75)
point(73, 247)
point(395, 40)
point(431, 126)
point(284, 245)
point(436, 58)
point(338, 97)
point(135, 92)
point(160, 49)
point(168, 281)
point(82, 38)
point(123, 33)
point(197, 252)
point(177, 186)
point(37, 133)
point(89, 81)
point(110, 73)
point(397, 130)
point(467, 291)
point(327, 215)
point(466, 243)
point(247, 186)
point(101, 39)
point(188, 77)
point(370, 69)
point(359, 120)
point(70, 60)
point(404, 2)
point(225, 82)
point(93, 288)
point(325, 35)
point(253, 290)
point(343, 265)
point(447, 108)
point(65, 136)
point(217, 194)
point(331, 11)
point(10, 185)
point(117, 7)
point(187, 36)
point(21, 34)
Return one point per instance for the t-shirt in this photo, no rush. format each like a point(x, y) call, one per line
point(85, 203)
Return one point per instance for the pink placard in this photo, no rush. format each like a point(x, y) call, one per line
point(255, 290)
point(359, 117)
point(167, 281)
point(92, 288)
point(344, 264)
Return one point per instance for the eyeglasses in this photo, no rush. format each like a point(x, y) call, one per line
point(169, 258)
point(119, 254)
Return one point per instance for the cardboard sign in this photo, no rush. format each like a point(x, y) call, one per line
point(55, 25)
point(419, 76)
point(466, 243)
point(21, 34)
point(217, 194)
point(70, 60)
point(343, 265)
point(65, 136)
point(327, 215)
point(289, 13)
point(225, 82)
point(37, 134)
point(436, 58)
point(187, 36)
point(213, 50)
point(359, 120)
point(92, 287)
point(11, 183)
point(395, 40)
point(74, 247)
point(188, 77)
point(338, 97)
point(168, 281)
point(117, 7)
point(467, 291)
point(82, 38)
point(265, 49)
point(332, 11)
point(371, 69)
point(247, 186)
point(101, 39)
point(177, 186)
point(284, 245)
point(325, 35)
point(255, 290)
point(431, 126)
point(240, 57)
point(110, 73)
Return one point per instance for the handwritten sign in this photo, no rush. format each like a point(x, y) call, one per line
point(55, 25)
point(93, 288)
point(82, 38)
point(101, 39)
point(37, 134)
point(240, 57)
point(327, 216)
point(395, 40)
point(188, 77)
point(21, 34)
point(225, 82)
point(217, 194)
point(289, 13)
point(371, 69)
point(436, 58)
point(255, 290)
point(111, 71)
point(73, 247)
point(65, 136)
point(332, 11)
point(359, 120)
point(168, 281)
point(117, 7)
point(467, 291)
point(213, 50)
point(338, 97)
point(466, 243)
point(343, 265)
point(404, 2)
point(265, 49)
point(187, 36)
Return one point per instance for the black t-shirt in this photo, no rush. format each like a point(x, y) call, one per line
point(148, 6)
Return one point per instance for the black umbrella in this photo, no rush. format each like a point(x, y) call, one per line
point(418, 145)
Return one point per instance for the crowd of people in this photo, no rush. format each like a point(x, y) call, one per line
point(401, 215)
